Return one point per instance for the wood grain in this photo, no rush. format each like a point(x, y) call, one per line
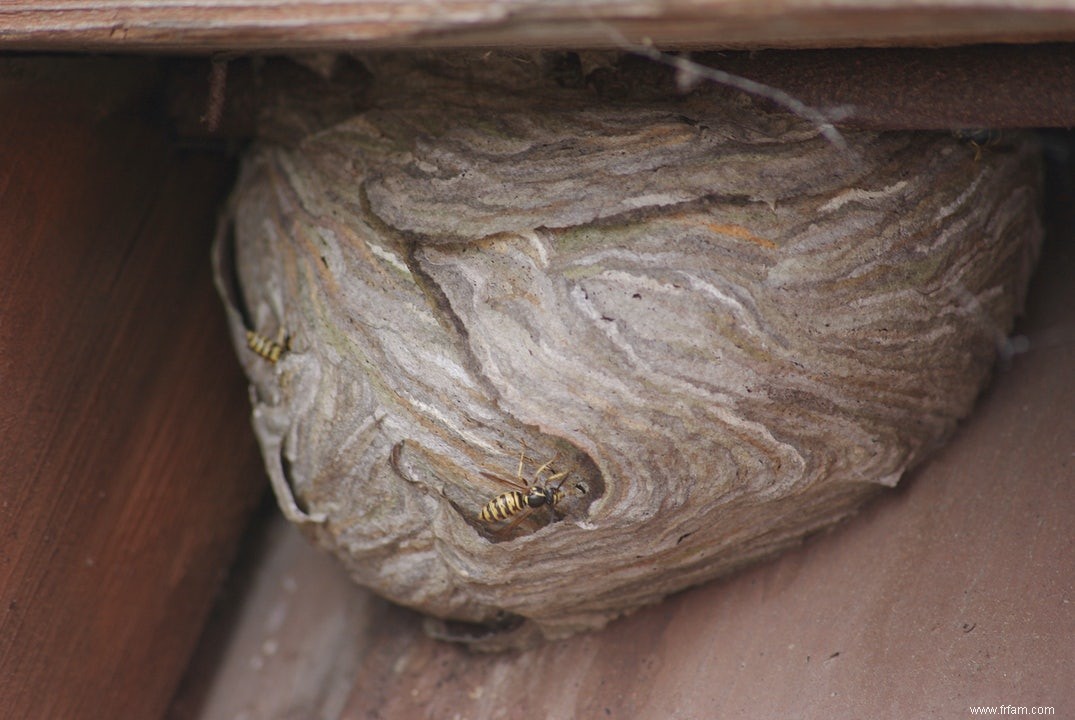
point(230, 25)
point(991, 86)
point(127, 468)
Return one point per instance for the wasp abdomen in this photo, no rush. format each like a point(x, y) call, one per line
point(271, 350)
point(504, 506)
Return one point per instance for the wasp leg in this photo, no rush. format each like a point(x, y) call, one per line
point(561, 476)
point(283, 339)
point(547, 467)
point(515, 523)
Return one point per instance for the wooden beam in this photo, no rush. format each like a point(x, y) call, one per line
point(127, 467)
point(270, 25)
point(983, 86)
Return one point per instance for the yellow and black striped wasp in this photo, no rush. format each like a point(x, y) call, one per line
point(526, 497)
point(271, 350)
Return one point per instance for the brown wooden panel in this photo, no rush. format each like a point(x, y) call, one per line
point(987, 86)
point(127, 467)
point(287, 639)
point(202, 25)
point(977, 87)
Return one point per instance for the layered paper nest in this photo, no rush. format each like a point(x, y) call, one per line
point(726, 330)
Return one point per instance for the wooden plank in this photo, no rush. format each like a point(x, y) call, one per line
point(229, 25)
point(288, 642)
point(995, 87)
point(127, 466)
point(991, 86)
point(953, 591)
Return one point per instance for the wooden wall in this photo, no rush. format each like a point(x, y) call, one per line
point(127, 467)
point(260, 25)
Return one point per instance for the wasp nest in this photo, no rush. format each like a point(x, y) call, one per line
point(705, 329)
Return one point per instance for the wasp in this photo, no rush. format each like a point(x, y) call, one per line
point(271, 350)
point(979, 139)
point(523, 500)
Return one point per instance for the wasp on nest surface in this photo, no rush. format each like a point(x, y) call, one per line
point(525, 497)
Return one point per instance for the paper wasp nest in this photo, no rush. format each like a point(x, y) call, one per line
point(728, 331)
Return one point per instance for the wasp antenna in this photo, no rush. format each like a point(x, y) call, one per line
point(543, 468)
point(562, 476)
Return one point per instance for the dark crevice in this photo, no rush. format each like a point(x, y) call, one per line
point(227, 275)
point(409, 249)
point(285, 469)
